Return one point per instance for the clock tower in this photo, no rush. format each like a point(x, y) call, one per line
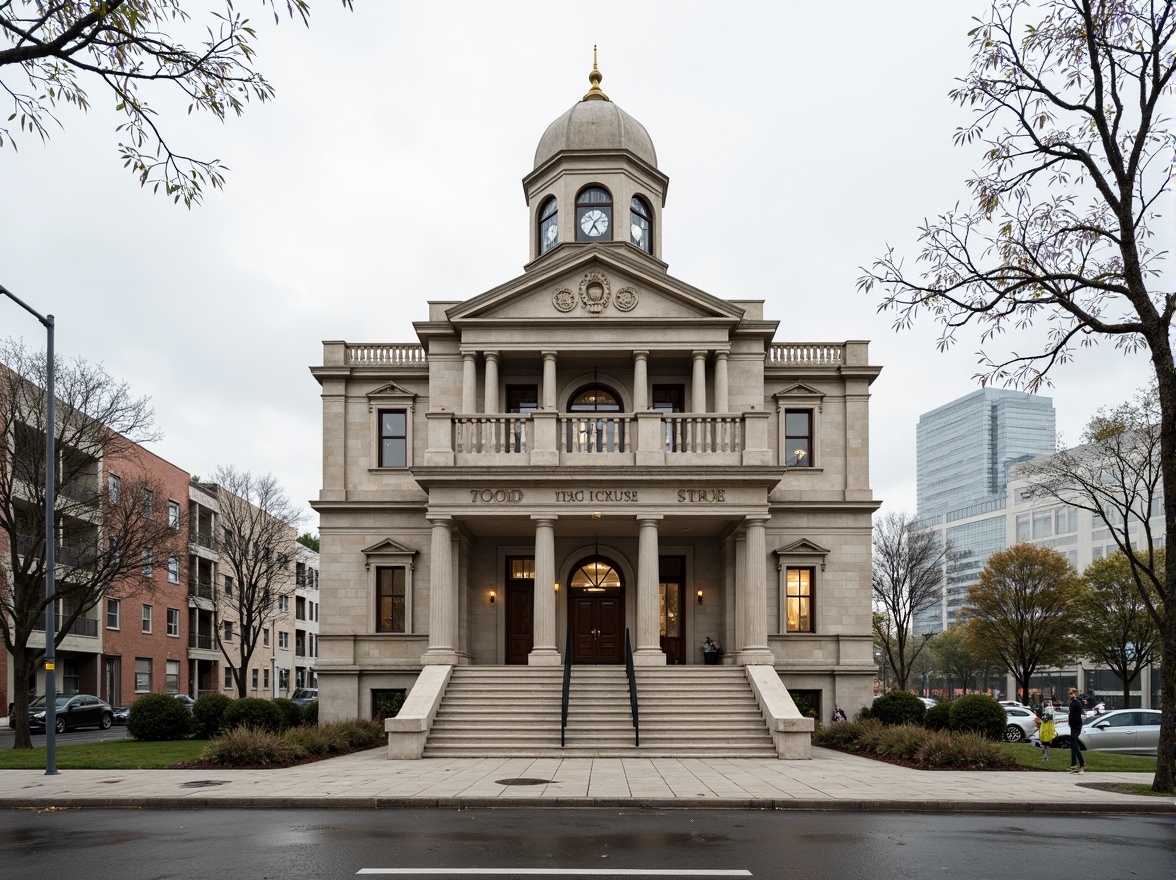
point(595, 180)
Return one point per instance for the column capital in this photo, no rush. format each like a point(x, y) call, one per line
point(439, 519)
point(542, 518)
point(549, 354)
point(757, 518)
point(490, 355)
point(640, 355)
point(700, 354)
point(649, 518)
point(722, 354)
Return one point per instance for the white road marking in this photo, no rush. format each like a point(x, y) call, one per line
point(562, 872)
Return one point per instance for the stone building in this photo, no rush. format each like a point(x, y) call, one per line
point(591, 452)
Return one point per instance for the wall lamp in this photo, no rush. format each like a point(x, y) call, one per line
point(699, 595)
point(557, 586)
point(493, 596)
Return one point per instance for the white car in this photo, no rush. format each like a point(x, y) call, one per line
point(1126, 731)
point(1022, 723)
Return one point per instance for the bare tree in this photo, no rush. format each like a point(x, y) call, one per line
point(102, 529)
point(1022, 612)
point(907, 578)
point(127, 47)
point(258, 528)
point(955, 658)
point(1072, 111)
point(1117, 629)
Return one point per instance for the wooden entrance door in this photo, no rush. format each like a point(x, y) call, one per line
point(598, 628)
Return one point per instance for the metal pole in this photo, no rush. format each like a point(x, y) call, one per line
point(50, 538)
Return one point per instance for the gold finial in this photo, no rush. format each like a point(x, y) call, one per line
point(594, 93)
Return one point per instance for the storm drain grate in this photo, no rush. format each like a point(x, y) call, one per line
point(523, 781)
point(204, 783)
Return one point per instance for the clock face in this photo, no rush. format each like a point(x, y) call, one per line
point(552, 232)
point(594, 222)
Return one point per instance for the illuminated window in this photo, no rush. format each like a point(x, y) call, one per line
point(800, 600)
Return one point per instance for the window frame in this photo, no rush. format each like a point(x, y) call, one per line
point(114, 488)
point(544, 220)
point(383, 399)
point(392, 596)
point(792, 399)
point(173, 569)
point(147, 619)
point(791, 450)
point(168, 676)
point(392, 437)
point(583, 206)
point(805, 596)
point(800, 555)
point(226, 630)
point(173, 515)
point(148, 562)
point(645, 214)
point(173, 622)
point(148, 503)
point(115, 606)
point(385, 554)
point(140, 687)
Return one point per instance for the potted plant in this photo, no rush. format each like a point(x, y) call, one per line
point(711, 651)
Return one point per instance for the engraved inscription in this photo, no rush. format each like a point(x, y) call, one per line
point(496, 496)
point(702, 496)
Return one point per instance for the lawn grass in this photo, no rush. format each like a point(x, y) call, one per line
point(111, 755)
point(1096, 762)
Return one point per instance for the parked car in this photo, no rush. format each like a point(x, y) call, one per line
point(302, 696)
point(928, 701)
point(121, 714)
point(186, 700)
point(1022, 723)
point(73, 710)
point(1126, 731)
point(1013, 703)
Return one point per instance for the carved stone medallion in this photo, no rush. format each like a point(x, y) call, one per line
point(626, 298)
point(595, 292)
point(563, 299)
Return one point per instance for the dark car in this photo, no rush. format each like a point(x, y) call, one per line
point(73, 710)
point(303, 696)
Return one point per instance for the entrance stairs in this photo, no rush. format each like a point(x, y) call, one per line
point(685, 711)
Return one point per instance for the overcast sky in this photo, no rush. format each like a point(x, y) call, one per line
point(800, 139)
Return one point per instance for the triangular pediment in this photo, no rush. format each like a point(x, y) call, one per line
point(799, 389)
point(803, 547)
point(388, 547)
point(390, 390)
point(594, 284)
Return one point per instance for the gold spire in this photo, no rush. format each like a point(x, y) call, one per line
point(594, 93)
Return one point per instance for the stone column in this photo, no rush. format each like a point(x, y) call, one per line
point(640, 380)
point(491, 394)
point(469, 382)
point(549, 398)
point(442, 596)
point(721, 404)
point(755, 596)
point(698, 383)
point(544, 652)
point(648, 651)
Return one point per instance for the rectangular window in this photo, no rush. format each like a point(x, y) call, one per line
point(228, 677)
point(265, 679)
point(284, 604)
point(148, 503)
point(265, 636)
point(1042, 525)
point(299, 608)
point(798, 438)
point(283, 640)
point(253, 679)
point(1023, 533)
point(113, 607)
point(228, 631)
point(115, 489)
point(173, 570)
point(228, 585)
point(390, 599)
point(142, 675)
point(146, 618)
point(147, 566)
point(115, 556)
point(1066, 521)
point(800, 600)
point(173, 622)
point(393, 438)
point(173, 676)
point(173, 514)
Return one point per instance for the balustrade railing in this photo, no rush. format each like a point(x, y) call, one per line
point(596, 433)
point(508, 432)
point(812, 354)
point(694, 433)
point(361, 354)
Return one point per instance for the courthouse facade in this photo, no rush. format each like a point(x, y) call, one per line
point(590, 449)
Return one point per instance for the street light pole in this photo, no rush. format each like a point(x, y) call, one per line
point(50, 562)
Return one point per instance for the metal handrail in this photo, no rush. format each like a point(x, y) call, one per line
point(567, 686)
point(632, 688)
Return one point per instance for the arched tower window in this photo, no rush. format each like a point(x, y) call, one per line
point(548, 225)
point(641, 224)
point(593, 214)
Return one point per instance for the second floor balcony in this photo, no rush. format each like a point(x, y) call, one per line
point(202, 589)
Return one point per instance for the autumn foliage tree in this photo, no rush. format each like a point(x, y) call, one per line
point(56, 50)
point(1022, 612)
point(1056, 251)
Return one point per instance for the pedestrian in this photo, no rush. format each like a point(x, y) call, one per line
point(838, 714)
point(1077, 762)
point(1047, 732)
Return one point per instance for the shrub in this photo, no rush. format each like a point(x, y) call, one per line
point(208, 714)
point(251, 747)
point(899, 707)
point(978, 713)
point(865, 713)
point(357, 732)
point(928, 749)
point(291, 712)
point(159, 717)
point(388, 704)
point(938, 717)
point(310, 714)
point(253, 712)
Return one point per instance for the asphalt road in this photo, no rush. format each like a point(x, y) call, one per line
point(619, 844)
point(71, 737)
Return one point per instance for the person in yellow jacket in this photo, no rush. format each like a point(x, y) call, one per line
point(1047, 732)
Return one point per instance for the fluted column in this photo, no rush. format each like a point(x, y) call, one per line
point(640, 381)
point(491, 393)
point(543, 652)
point(755, 596)
point(549, 400)
point(648, 652)
point(469, 382)
point(721, 404)
point(698, 383)
point(442, 596)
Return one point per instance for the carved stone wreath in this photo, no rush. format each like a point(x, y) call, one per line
point(563, 299)
point(625, 299)
point(595, 292)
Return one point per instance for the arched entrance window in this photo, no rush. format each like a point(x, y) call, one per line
point(599, 433)
point(596, 596)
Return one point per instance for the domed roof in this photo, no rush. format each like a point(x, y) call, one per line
point(595, 123)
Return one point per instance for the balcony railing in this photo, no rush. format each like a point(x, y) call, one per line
point(202, 589)
point(63, 554)
point(646, 438)
point(202, 539)
point(385, 355)
point(806, 353)
point(83, 626)
point(202, 641)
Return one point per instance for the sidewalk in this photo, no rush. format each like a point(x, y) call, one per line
point(369, 780)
